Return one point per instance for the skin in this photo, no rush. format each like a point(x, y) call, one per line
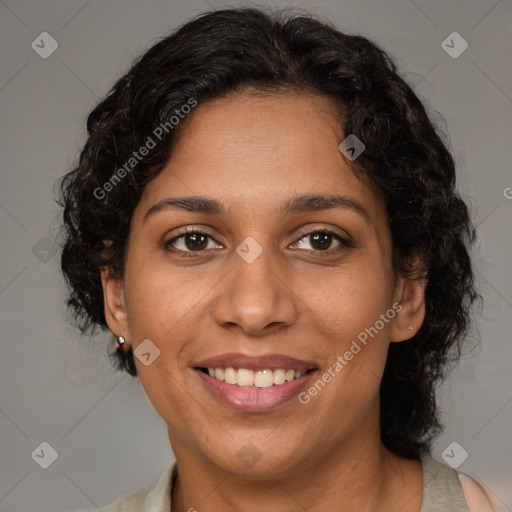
point(252, 154)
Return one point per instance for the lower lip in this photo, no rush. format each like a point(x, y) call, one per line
point(255, 399)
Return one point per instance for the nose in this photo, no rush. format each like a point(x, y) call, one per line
point(257, 296)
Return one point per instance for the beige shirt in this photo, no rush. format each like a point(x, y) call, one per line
point(441, 492)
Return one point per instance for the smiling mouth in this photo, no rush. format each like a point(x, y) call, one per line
point(247, 378)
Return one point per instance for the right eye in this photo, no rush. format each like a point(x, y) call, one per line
point(192, 240)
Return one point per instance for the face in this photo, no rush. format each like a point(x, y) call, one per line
point(259, 283)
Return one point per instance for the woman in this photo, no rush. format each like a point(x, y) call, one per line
point(265, 217)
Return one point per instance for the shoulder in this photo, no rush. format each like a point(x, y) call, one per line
point(442, 484)
point(134, 502)
point(152, 497)
point(475, 495)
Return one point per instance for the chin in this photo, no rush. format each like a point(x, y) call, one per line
point(252, 463)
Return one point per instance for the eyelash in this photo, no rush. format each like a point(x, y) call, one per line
point(344, 243)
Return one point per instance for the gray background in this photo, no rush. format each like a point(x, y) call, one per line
point(57, 387)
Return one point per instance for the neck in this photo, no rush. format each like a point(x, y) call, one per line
point(358, 475)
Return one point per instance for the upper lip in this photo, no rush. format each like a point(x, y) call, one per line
point(256, 362)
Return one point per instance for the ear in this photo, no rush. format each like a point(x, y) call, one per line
point(114, 303)
point(410, 294)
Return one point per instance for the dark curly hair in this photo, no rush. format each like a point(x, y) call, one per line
point(269, 50)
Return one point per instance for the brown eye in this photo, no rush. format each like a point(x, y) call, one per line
point(321, 241)
point(191, 241)
point(195, 241)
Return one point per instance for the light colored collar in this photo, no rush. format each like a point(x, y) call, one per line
point(437, 479)
point(159, 497)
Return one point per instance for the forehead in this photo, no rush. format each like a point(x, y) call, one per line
point(248, 149)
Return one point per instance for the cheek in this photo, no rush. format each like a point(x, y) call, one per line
point(157, 310)
point(346, 308)
point(347, 300)
point(166, 306)
point(159, 299)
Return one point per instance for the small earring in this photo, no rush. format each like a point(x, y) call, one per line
point(120, 341)
point(411, 327)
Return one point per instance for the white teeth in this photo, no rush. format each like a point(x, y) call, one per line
point(264, 378)
point(230, 375)
point(279, 377)
point(249, 378)
point(245, 377)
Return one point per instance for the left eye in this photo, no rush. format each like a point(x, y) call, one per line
point(197, 241)
point(193, 241)
point(322, 240)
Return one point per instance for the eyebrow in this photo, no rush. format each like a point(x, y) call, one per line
point(298, 204)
